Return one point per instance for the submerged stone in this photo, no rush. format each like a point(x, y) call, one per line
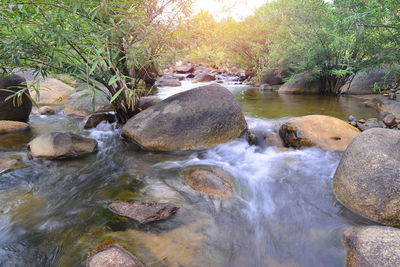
point(9, 164)
point(112, 255)
point(144, 212)
point(209, 180)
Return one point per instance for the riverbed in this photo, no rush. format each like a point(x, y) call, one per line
point(284, 212)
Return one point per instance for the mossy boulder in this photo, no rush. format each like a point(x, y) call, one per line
point(324, 132)
point(14, 109)
point(367, 180)
point(372, 246)
point(201, 117)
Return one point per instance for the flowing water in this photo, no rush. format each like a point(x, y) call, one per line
point(284, 212)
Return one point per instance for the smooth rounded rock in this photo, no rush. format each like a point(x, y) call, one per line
point(46, 110)
point(203, 77)
point(324, 132)
point(53, 92)
point(80, 105)
point(302, 84)
point(367, 180)
point(147, 101)
point(112, 255)
point(12, 126)
point(61, 145)
point(198, 118)
point(372, 246)
point(209, 180)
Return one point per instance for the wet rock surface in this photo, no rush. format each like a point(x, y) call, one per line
point(201, 117)
point(209, 180)
point(327, 133)
point(204, 77)
point(372, 246)
point(112, 255)
point(12, 126)
point(9, 164)
point(61, 145)
point(46, 110)
point(96, 118)
point(367, 180)
point(144, 212)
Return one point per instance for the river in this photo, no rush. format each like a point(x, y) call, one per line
point(284, 212)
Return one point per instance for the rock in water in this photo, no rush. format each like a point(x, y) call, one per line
point(46, 110)
point(209, 180)
point(61, 145)
point(324, 132)
point(10, 109)
point(8, 164)
point(96, 118)
point(53, 92)
point(303, 84)
point(372, 246)
point(112, 255)
point(203, 77)
point(13, 126)
point(144, 212)
point(201, 117)
point(367, 180)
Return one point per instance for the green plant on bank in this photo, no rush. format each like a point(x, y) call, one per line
point(111, 47)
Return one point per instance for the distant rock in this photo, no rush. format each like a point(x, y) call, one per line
point(383, 104)
point(209, 180)
point(266, 86)
point(144, 212)
point(302, 84)
point(168, 82)
point(13, 126)
point(46, 110)
point(324, 132)
point(61, 145)
point(197, 118)
point(80, 105)
point(372, 246)
point(10, 109)
point(96, 118)
point(203, 77)
point(367, 180)
point(112, 255)
point(362, 82)
point(184, 69)
point(53, 91)
point(274, 77)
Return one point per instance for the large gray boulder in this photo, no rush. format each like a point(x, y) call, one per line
point(201, 117)
point(383, 104)
point(367, 180)
point(372, 246)
point(61, 145)
point(11, 109)
point(362, 83)
point(302, 84)
point(274, 77)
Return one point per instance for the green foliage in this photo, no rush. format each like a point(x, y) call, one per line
point(109, 46)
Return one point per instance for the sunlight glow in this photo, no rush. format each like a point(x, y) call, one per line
point(220, 9)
